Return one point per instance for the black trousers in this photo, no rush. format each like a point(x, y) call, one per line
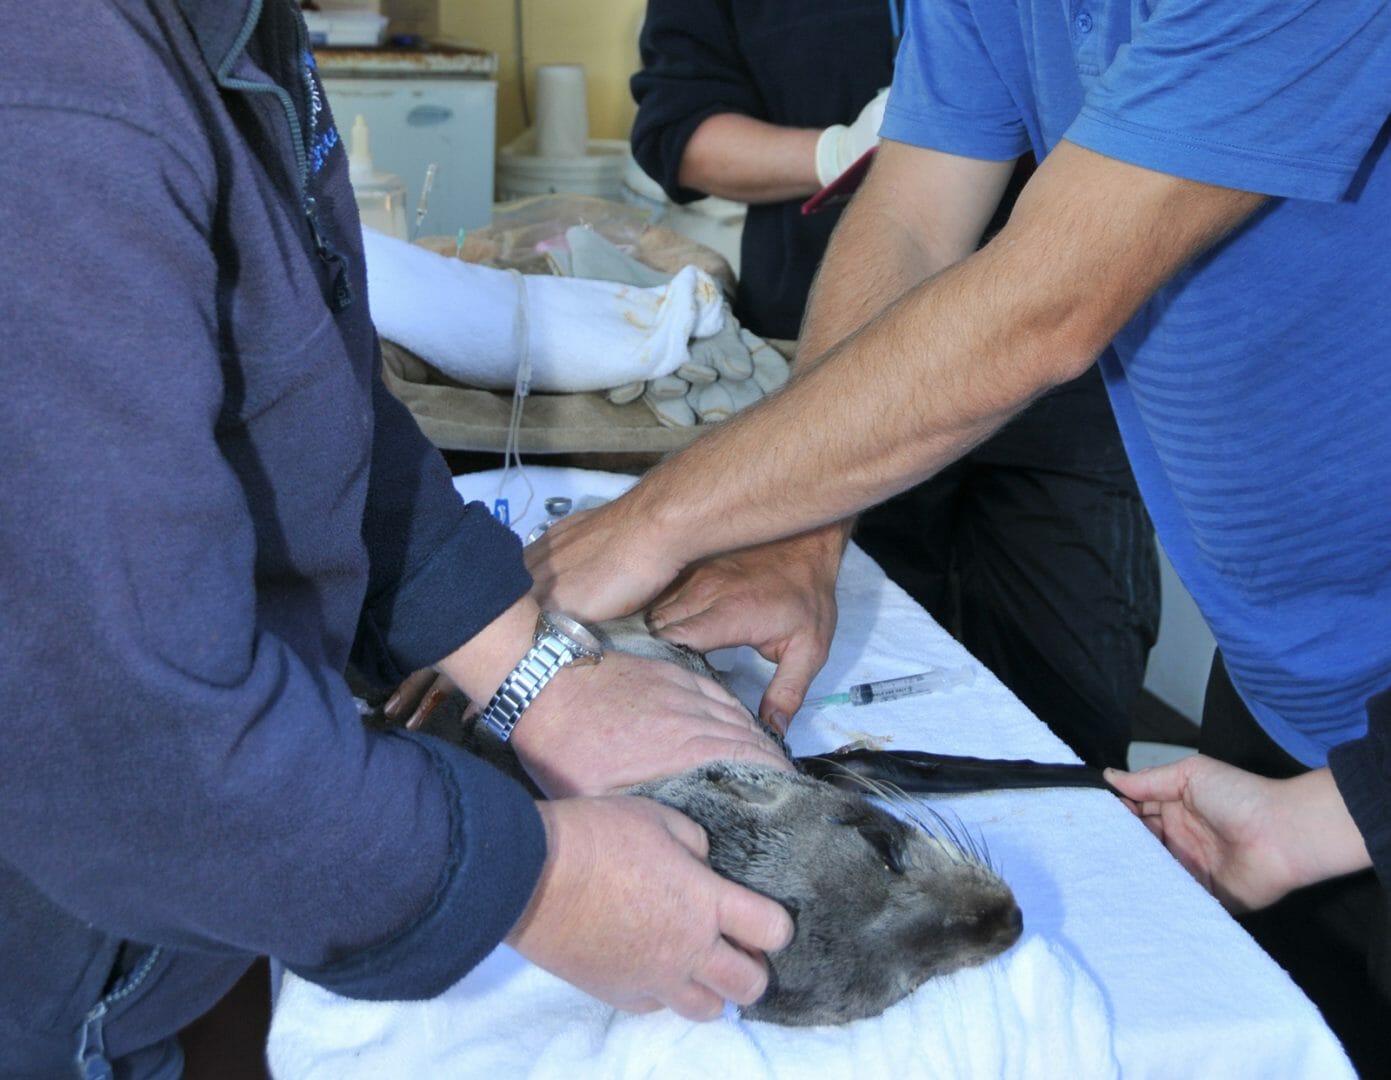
point(1333, 937)
point(1036, 552)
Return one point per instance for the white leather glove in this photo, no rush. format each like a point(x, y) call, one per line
point(732, 391)
point(724, 351)
point(841, 145)
point(727, 370)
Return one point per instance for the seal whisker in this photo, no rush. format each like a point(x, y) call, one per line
point(907, 804)
point(914, 809)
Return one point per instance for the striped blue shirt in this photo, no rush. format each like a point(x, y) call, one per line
point(1251, 389)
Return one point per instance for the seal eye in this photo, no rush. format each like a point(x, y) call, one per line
point(887, 845)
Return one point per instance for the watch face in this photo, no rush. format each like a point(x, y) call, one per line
point(576, 632)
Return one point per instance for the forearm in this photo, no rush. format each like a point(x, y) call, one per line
point(945, 364)
point(871, 260)
point(1360, 771)
point(439, 581)
point(848, 431)
point(874, 256)
point(751, 161)
point(480, 664)
point(854, 411)
point(1318, 836)
point(1247, 839)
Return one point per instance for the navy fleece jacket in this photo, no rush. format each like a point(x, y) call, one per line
point(703, 57)
point(210, 504)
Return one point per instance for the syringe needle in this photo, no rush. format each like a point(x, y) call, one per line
point(424, 201)
point(889, 689)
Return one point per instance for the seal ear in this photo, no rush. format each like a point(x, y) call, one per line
point(749, 791)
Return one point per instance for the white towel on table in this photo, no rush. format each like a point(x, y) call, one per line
point(1187, 993)
point(583, 335)
point(1031, 1014)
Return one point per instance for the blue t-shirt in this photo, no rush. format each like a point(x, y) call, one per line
point(1251, 389)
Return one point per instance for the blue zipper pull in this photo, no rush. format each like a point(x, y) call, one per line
point(91, 1052)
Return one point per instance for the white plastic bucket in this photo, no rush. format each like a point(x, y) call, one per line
point(521, 173)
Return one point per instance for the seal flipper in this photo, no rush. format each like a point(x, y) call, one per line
point(920, 773)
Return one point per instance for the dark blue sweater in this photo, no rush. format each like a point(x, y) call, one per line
point(210, 504)
point(703, 57)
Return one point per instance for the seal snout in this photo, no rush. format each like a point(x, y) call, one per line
point(994, 926)
point(1010, 926)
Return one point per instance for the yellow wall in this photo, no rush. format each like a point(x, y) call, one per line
point(600, 34)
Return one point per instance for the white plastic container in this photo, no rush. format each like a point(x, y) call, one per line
point(342, 29)
point(522, 172)
point(381, 196)
point(562, 111)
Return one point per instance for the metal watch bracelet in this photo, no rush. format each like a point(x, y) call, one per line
point(559, 642)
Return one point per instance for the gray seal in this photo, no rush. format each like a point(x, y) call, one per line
point(882, 901)
point(880, 904)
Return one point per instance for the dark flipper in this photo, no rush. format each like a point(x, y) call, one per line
point(921, 773)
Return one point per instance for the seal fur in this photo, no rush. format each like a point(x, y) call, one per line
point(881, 904)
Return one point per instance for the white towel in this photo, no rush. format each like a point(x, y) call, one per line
point(1032, 1014)
point(1187, 993)
point(583, 335)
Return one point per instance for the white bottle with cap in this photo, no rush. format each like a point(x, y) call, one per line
point(381, 197)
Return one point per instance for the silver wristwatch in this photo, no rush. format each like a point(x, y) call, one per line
point(559, 642)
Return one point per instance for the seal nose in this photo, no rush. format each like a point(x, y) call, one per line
point(999, 925)
point(1011, 927)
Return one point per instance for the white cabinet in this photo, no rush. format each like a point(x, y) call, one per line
point(421, 114)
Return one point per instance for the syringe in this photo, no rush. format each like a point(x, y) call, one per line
point(890, 689)
point(424, 201)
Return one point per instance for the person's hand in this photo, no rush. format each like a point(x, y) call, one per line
point(598, 564)
point(841, 145)
point(595, 729)
point(1247, 839)
point(779, 597)
point(1214, 818)
point(418, 693)
point(627, 910)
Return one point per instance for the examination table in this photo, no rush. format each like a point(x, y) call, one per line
point(1126, 967)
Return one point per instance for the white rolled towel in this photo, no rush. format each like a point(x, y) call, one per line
point(583, 335)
